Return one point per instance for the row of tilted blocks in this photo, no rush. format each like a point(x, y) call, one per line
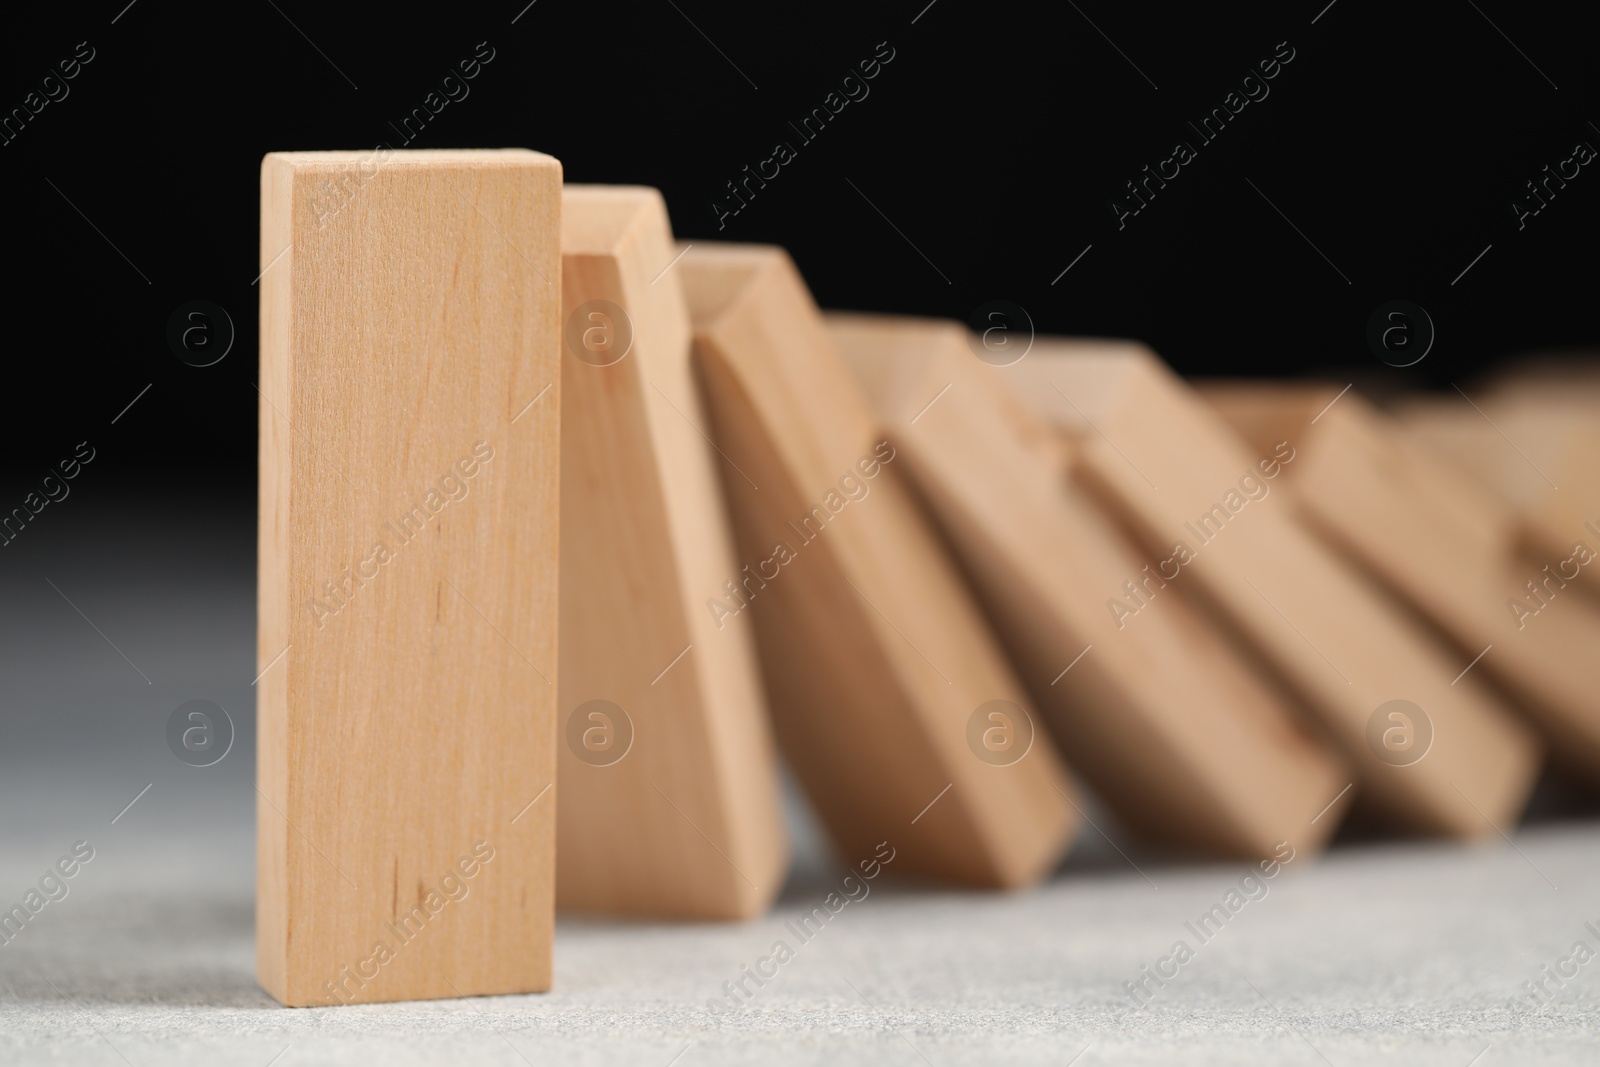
point(565, 529)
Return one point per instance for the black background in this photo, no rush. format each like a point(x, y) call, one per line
point(993, 142)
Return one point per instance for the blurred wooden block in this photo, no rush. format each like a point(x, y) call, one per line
point(1533, 445)
point(1550, 410)
point(1570, 376)
point(1184, 478)
point(407, 575)
point(669, 806)
point(1445, 544)
point(1161, 714)
point(878, 663)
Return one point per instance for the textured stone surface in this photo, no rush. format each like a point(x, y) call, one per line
point(1374, 954)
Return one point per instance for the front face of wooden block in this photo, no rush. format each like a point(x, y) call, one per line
point(410, 473)
point(1199, 496)
point(875, 657)
point(668, 779)
point(1161, 714)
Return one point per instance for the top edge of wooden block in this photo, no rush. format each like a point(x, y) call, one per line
point(607, 193)
point(1107, 349)
point(1101, 368)
point(1279, 390)
point(411, 157)
point(1286, 398)
point(598, 219)
point(738, 265)
point(736, 252)
point(933, 329)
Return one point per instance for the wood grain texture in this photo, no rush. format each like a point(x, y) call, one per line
point(1160, 713)
point(1157, 451)
point(1447, 545)
point(686, 823)
point(408, 533)
point(875, 655)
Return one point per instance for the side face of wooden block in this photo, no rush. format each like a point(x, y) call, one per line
point(1551, 411)
point(1161, 714)
point(876, 658)
point(408, 566)
point(1155, 450)
point(669, 803)
point(1450, 549)
point(1532, 444)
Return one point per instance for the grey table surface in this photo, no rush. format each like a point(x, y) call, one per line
point(1371, 954)
point(1410, 952)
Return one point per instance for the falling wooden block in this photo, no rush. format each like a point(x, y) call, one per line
point(1161, 714)
point(1549, 411)
point(1570, 376)
point(1452, 760)
point(1446, 545)
point(407, 559)
point(1532, 444)
point(881, 672)
point(669, 802)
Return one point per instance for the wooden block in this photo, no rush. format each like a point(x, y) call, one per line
point(669, 806)
point(1193, 489)
point(1161, 714)
point(1562, 376)
point(1534, 448)
point(877, 661)
point(407, 556)
point(1550, 410)
point(1446, 545)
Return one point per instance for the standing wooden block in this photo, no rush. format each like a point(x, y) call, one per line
point(669, 801)
point(1160, 713)
point(1187, 482)
point(407, 619)
point(879, 666)
point(1446, 545)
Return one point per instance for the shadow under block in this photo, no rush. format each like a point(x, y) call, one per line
point(1185, 480)
point(1160, 713)
point(1446, 545)
point(407, 575)
point(875, 656)
point(672, 811)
